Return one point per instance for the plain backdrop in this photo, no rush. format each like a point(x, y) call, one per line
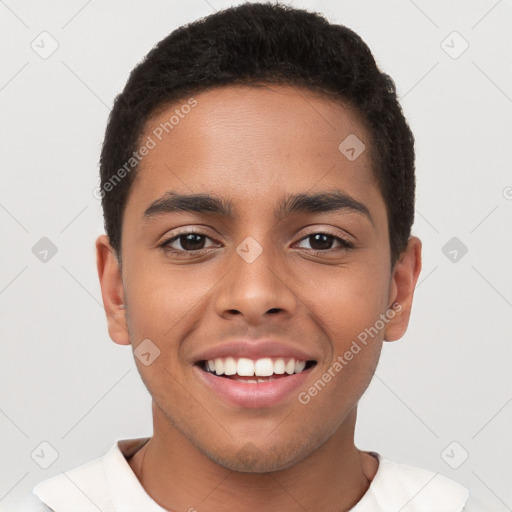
point(441, 397)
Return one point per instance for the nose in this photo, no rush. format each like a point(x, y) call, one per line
point(255, 289)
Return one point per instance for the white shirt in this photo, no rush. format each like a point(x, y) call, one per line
point(108, 484)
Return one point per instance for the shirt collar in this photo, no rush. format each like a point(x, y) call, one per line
point(109, 484)
point(106, 483)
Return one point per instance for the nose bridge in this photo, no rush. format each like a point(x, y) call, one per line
point(253, 286)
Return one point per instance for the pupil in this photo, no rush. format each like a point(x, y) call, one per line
point(323, 240)
point(191, 240)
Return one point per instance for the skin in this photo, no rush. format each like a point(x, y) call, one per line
point(253, 146)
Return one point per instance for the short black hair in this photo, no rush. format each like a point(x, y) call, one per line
point(256, 44)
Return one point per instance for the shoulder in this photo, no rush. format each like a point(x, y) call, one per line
point(76, 486)
point(92, 486)
point(412, 489)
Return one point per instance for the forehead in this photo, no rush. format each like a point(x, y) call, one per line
point(243, 142)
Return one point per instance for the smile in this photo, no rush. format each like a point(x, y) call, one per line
point(254, 383)
point(264, 369)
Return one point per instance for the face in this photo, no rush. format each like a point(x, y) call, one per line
point(279, 268)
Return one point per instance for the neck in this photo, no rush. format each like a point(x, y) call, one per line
point(179, 477)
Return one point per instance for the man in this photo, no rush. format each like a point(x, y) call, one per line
point(257, 182)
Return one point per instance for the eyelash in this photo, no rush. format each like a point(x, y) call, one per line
point(345, 245)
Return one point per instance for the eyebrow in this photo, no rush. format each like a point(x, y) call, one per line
point(172, 202)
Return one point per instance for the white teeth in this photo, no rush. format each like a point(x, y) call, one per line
point(244, 367)
point(230, 366)
point(299, 366)
point(219, 366)
point(264, 367)
point(290, 367)
point(279, 366)
point(254, 381)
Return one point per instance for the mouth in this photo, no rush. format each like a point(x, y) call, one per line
point(251, 371)
point(254, 383)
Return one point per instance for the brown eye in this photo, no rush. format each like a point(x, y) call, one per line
point(191, 241)
point(322, 242)
point(186, 242)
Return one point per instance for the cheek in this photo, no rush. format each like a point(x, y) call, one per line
point(348, 308)
point(163, 300)
point(349, 301)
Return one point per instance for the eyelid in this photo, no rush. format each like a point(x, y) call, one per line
point(195, 230)
point(344, 243)
point(328, 230)
point(165, 243)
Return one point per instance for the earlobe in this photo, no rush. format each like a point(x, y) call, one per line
point(112, 290)
point(403, 282)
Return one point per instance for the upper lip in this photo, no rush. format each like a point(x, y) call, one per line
point(253, 349)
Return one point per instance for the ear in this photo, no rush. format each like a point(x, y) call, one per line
point(112, 290)
point(403, 282)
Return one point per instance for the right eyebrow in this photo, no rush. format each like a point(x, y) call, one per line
point(172, 202)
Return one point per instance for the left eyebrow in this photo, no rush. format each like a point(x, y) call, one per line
point(320, 202)
point(295, 203)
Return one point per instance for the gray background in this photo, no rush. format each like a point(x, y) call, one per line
point(64, 382)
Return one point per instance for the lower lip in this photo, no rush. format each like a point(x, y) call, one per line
point(253, 395)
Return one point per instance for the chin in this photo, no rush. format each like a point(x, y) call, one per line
point(251, 459)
